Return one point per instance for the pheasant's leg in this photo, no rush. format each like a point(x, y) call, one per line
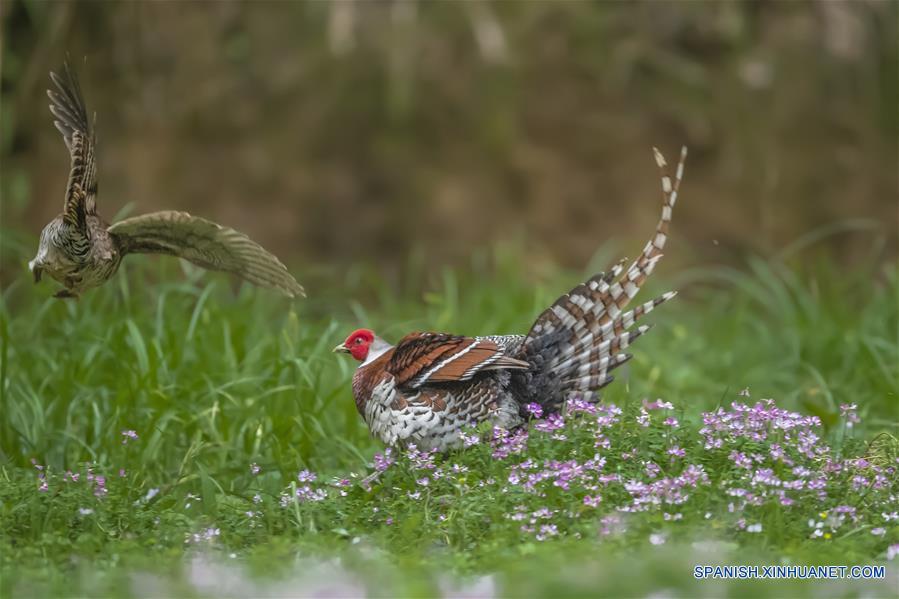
point(366, 482)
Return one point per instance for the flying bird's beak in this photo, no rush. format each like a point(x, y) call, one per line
point(341, 349)
point(35, 270)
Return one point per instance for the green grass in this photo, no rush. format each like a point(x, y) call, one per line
point(214, 380)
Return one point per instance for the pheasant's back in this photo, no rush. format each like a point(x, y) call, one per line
point(511, 345)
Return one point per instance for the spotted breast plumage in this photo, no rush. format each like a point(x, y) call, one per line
point(430, 387)
point(81, 250)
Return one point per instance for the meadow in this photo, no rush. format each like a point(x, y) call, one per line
point(173, 434)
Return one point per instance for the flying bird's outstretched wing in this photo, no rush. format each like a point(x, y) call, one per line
point(67, 105)
point(206, 244)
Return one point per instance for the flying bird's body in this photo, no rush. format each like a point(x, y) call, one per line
point(81, 250)
point(79, 260)
point(430, 387)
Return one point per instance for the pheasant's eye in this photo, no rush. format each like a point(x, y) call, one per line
point(358, 340)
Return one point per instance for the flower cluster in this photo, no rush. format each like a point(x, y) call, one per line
point(207, 535)
point(384, 461)
point(505, 443)
point(601, 470)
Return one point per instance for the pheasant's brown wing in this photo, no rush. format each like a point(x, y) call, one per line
point(67, 106)
point(421, 358)
point(206, 244)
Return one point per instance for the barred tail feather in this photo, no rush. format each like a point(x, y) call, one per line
point(602, 298)
point(608, 331)
point(613, 338)
point(581, 336)
point(594, 353)
point(598, 376)
point(640, 269)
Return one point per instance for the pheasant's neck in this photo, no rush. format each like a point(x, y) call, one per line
point(377, 349)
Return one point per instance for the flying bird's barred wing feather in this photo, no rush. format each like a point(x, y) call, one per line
point(206, 244)
point(67, 106)
point(590, 320)
point(425, 358)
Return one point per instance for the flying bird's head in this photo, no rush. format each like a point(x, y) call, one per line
point(37, 265)
point(36, 269)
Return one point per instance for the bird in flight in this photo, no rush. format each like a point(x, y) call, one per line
point(81, 250)
point(431, 387)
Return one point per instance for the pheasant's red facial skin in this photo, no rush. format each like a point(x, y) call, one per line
point(358, 343)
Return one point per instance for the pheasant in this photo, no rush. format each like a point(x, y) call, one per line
point(81, 250)
point(430, 387)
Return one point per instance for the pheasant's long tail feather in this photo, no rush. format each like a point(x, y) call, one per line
point(589, 327)
point(206, 244)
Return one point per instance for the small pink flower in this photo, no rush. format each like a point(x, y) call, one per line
point(546, 531)
point(383, 461)
point(534, 409)
point(592, 501)
point(676, 451)
point(657, 405)
point(848, 411)
point(643, 418)
point(469, 440)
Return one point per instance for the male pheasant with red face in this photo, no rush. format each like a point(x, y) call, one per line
point(81, 250)
point(430, 387)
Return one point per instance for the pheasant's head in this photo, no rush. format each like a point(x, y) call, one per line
point(358, 344)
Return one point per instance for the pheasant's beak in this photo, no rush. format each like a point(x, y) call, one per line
point(341, 349)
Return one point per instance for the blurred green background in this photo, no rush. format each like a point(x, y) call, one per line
point(357, 132)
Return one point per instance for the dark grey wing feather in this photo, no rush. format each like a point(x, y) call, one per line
point(67, 106)
point(206, 244)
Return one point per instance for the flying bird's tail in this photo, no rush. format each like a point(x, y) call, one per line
point(581, 338)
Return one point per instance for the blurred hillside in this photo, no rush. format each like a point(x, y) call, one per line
point(347, 132)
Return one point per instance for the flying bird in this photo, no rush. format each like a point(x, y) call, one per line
point(81, 250)
point(430, 387)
